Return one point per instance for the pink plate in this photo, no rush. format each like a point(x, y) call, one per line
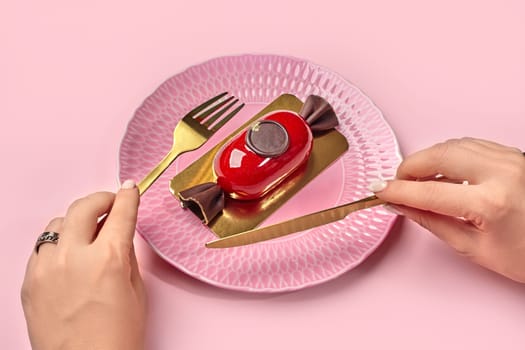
point(296, 261)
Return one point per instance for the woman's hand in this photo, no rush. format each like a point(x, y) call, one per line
point(484, 219)
point(86, 292)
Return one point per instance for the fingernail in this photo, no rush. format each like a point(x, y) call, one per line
point(126, 185)
point(377, 186)
point(394, 209)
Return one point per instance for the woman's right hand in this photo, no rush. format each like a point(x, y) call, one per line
point(86, 292)
point(484, 219)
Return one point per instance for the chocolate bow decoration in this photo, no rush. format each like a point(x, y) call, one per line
point(318, 114)
point(207, 200)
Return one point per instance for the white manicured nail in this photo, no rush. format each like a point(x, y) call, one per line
point(126, 185)
point(377, 186)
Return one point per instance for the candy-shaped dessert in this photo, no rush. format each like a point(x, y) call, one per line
point(261, 157)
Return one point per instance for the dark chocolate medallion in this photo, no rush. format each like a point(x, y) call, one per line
point(267, 138)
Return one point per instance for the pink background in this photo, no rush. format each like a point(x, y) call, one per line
point(73, 74)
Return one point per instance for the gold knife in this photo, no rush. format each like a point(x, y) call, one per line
point(294, 225)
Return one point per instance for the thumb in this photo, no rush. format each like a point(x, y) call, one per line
point(459, 234)
point(122, 218)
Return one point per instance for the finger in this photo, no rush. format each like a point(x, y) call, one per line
point(80, 223)
point(439, 197)
point(49, 249)
point(121, 221)
point(478, 145)
point(136, 279)
point(494, 152)
point(497, 158)
point(450, 159)
point(457, 233)
point(496, 146)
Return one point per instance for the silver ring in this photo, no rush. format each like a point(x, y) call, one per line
point(46, 237)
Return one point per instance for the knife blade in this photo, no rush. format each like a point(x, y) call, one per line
point(294, 225)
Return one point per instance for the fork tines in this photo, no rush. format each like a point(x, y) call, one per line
point(208, 113)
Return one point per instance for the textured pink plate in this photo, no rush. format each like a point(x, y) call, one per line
point(293, 262)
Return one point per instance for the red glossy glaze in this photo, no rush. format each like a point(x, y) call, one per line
point(245, 175)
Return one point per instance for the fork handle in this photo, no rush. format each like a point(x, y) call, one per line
point(154, 174)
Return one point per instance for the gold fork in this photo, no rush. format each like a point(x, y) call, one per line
point(193, 130)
